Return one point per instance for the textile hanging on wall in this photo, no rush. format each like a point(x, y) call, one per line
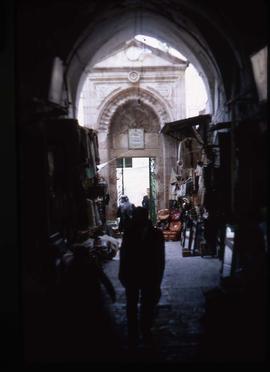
point(92, 160)
point(183, 173)
point(89, 152)
point(182, 190)
point(199, 184)
point(174, 177)
point(97, 215)
point(189, 153)
point(96, 148)
point(91, 213)
point(174, 189)
point(85, 150)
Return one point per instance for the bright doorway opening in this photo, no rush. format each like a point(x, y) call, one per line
point(133, 179)
point(136, 178)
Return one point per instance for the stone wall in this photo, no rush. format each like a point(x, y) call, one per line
point(136, 87)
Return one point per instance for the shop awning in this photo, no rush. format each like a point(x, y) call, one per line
point(184, 127)
point(219, 126)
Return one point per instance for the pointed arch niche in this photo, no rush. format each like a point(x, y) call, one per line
point(135, 108)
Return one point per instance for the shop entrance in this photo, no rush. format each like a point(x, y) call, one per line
point(136, 177)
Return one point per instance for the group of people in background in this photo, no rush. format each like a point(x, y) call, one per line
point(126, 208)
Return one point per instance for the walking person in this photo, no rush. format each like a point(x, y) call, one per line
point(142, 263)
point(124, 212)
point(146, 202)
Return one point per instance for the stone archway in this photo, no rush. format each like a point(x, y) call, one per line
point(127, 110)
point(158, 105)
point(94, 48)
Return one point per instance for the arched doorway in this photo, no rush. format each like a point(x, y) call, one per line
point(131, 111)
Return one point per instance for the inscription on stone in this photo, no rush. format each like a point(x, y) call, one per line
point(136, 138)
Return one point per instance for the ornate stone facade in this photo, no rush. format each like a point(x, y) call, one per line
point(137, 87)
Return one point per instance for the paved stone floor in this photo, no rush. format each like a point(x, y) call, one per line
point(178, 327)
point(196, 322)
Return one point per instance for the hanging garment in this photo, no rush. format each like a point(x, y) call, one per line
point(193, 177)
point(198, 177)
point(85, 153)
point(174, 185)
point(198, 170)
point(201, 186)
point(172, 194)
point(182, 190)
point(96, 148)
point(189, 187)
point(174, 177)
point(88, 155)
point(189, 153)
point(97, 215)
point(91, 213)
point(91, 160)
point(89, 152)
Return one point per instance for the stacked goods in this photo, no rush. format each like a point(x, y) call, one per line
point(169, 223)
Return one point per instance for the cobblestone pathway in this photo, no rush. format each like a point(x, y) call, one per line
point(178, 328)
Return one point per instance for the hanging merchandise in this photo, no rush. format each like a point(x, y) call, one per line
point(185, 188)
point(174, 177)
point(192, 235)
point(182, 190)
point(169, 223)
point(91, 213)
point(85, 151)
point(175, 214)
point(174, 185)
point(182, 172)
point(189, 153)
point(89, 152)
point(173, 192)
point(92, 160)
point(96, 147)
point(97, 215)
point(199, 183)
point(189, 186)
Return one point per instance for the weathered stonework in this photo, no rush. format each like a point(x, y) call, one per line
point(136, 87)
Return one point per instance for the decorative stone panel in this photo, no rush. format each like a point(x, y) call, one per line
point(137, 95)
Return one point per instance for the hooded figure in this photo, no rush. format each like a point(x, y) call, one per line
point(125, 212)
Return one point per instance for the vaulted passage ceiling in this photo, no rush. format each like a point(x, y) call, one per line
point(219, 36)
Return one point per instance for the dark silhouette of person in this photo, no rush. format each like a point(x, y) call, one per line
point(142, 263)
point(145, 202)
point(125, 212)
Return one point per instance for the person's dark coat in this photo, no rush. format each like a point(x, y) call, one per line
point(142, 254)
point(145, 202)
point(125, 212)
